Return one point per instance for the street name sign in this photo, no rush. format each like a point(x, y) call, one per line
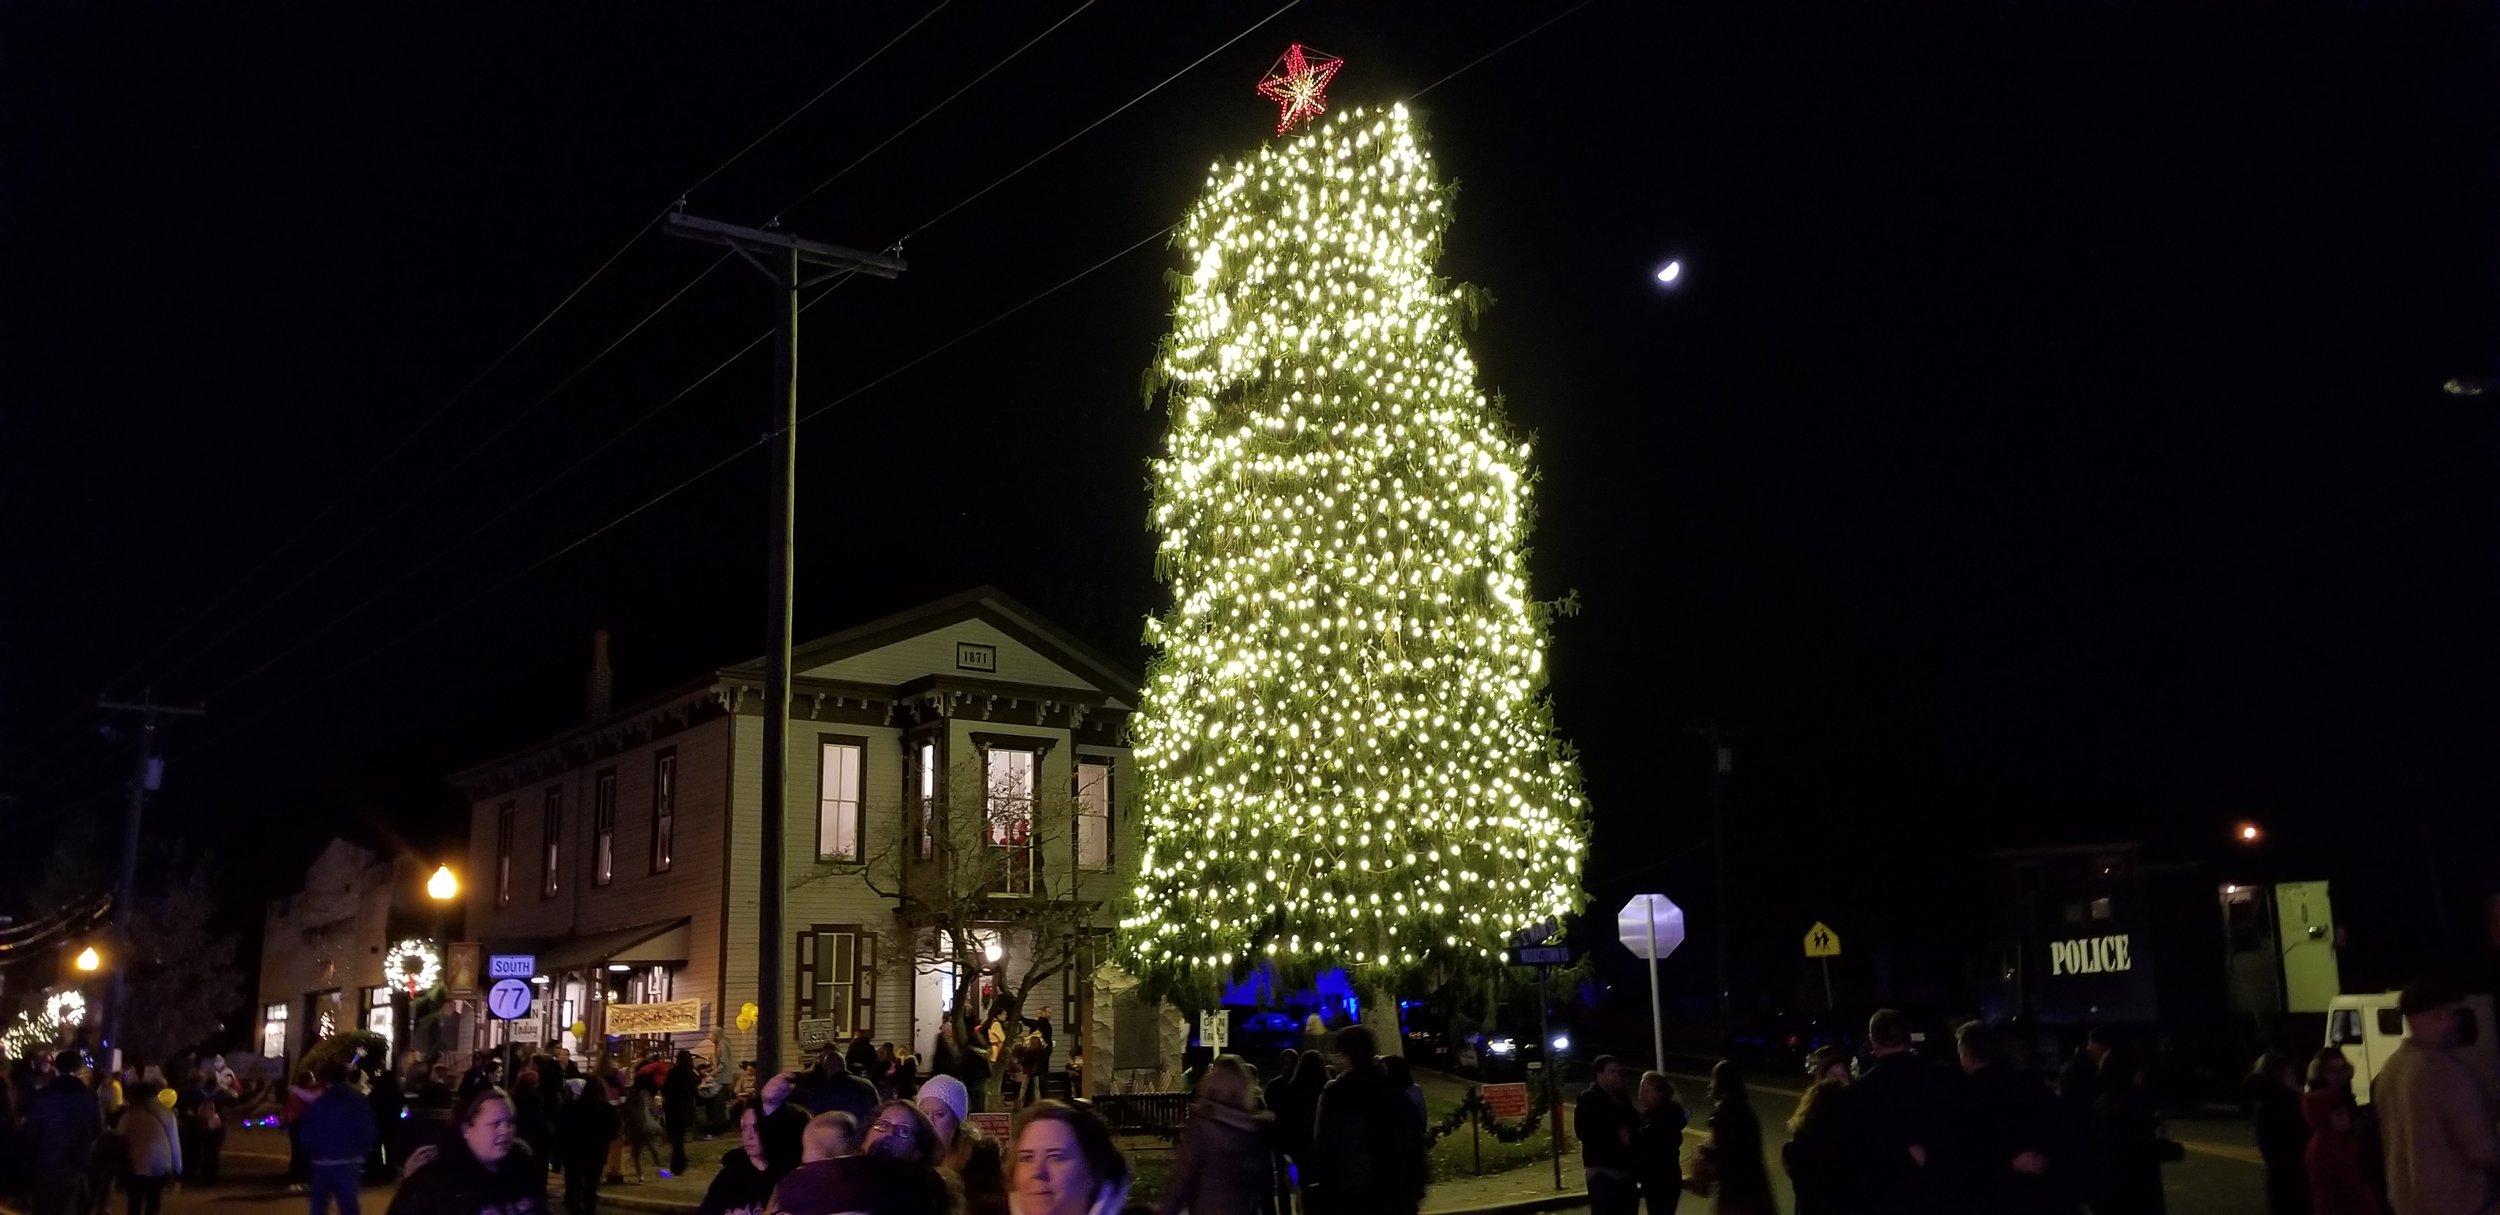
point(1543, 955)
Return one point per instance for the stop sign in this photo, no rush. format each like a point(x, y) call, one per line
point(1651, 926)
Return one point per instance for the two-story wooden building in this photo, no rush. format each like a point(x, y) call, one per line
point(323, 951)
point(965, 737)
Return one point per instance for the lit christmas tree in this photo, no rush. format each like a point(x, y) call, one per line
point(1345, 757)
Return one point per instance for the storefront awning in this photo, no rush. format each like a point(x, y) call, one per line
point(657, 944)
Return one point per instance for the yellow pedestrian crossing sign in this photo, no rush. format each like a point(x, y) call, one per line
point(1822, 942)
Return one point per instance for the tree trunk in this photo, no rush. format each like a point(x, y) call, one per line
point(1380, 1015)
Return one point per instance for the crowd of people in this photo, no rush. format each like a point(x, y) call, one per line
point(1898, 1134)
point(72, 1135)
point(1338, 1130)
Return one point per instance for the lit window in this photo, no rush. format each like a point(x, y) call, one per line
point(603, 825)
point(1093, 814)
point(663, 811)
point(927, 795)
point(838, 782)
point(553, 836)
point(1010, 786)
point(273, 1031)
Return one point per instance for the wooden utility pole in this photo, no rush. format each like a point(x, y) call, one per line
point(785, 260)
point(142, 779)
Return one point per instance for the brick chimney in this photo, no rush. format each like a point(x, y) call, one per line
point(602, 693)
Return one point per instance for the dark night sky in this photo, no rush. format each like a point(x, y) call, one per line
point(2046, 443)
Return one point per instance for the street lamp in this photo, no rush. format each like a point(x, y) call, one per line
point(443, 886)
point(89, 960)
point(2249, 833)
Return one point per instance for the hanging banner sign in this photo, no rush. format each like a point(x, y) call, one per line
point(667, 1017)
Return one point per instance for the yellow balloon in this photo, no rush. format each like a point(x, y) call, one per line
point(581, 1029)
point(747, 1015)
point(165, 1097)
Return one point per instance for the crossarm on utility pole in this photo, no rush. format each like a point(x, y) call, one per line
point(753, 241)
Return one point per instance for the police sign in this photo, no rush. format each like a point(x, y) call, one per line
point(2090, 956)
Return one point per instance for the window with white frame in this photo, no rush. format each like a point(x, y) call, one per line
point(924, 795)
point(1093, 814)
point(840, 779)
point(273, 1031)
point(831, 958)
point(603, 829)
point(552, 835)
point(1009, 774)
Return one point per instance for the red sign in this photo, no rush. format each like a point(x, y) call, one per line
point(997, 1126)
point(1505, 1100)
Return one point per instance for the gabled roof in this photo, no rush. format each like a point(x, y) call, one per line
point(984, 603)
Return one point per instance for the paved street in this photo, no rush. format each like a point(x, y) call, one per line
point(2221, 1175)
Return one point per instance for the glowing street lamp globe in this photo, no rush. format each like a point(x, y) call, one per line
point(89, 959)
point(443, 886)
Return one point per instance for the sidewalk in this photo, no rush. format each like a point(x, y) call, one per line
point(1520, 1190)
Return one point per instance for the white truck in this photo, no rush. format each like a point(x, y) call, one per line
point(2368, 1029)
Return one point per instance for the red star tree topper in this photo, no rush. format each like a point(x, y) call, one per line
point(1298, 83)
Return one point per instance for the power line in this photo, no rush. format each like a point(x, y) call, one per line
point(1532, 31)
point(301, 641)
point(409, 499)
point(818, 411)
point(804, 106)
point(315, 519)
point(672, 491)
point(409, 573)
point(811, 191)
point(930, 222)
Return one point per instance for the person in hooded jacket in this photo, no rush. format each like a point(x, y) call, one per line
point(155, 1146)
point(384, 1099)
point(1294, 1098)
point(677, 1108)
point(336, 1131)
point(63, 1123)
point(1366, 1155)
point(583, 1133)
point(529, 1113)
point(484, 1169)
point(1222, 1168)
point(1658, 1142)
